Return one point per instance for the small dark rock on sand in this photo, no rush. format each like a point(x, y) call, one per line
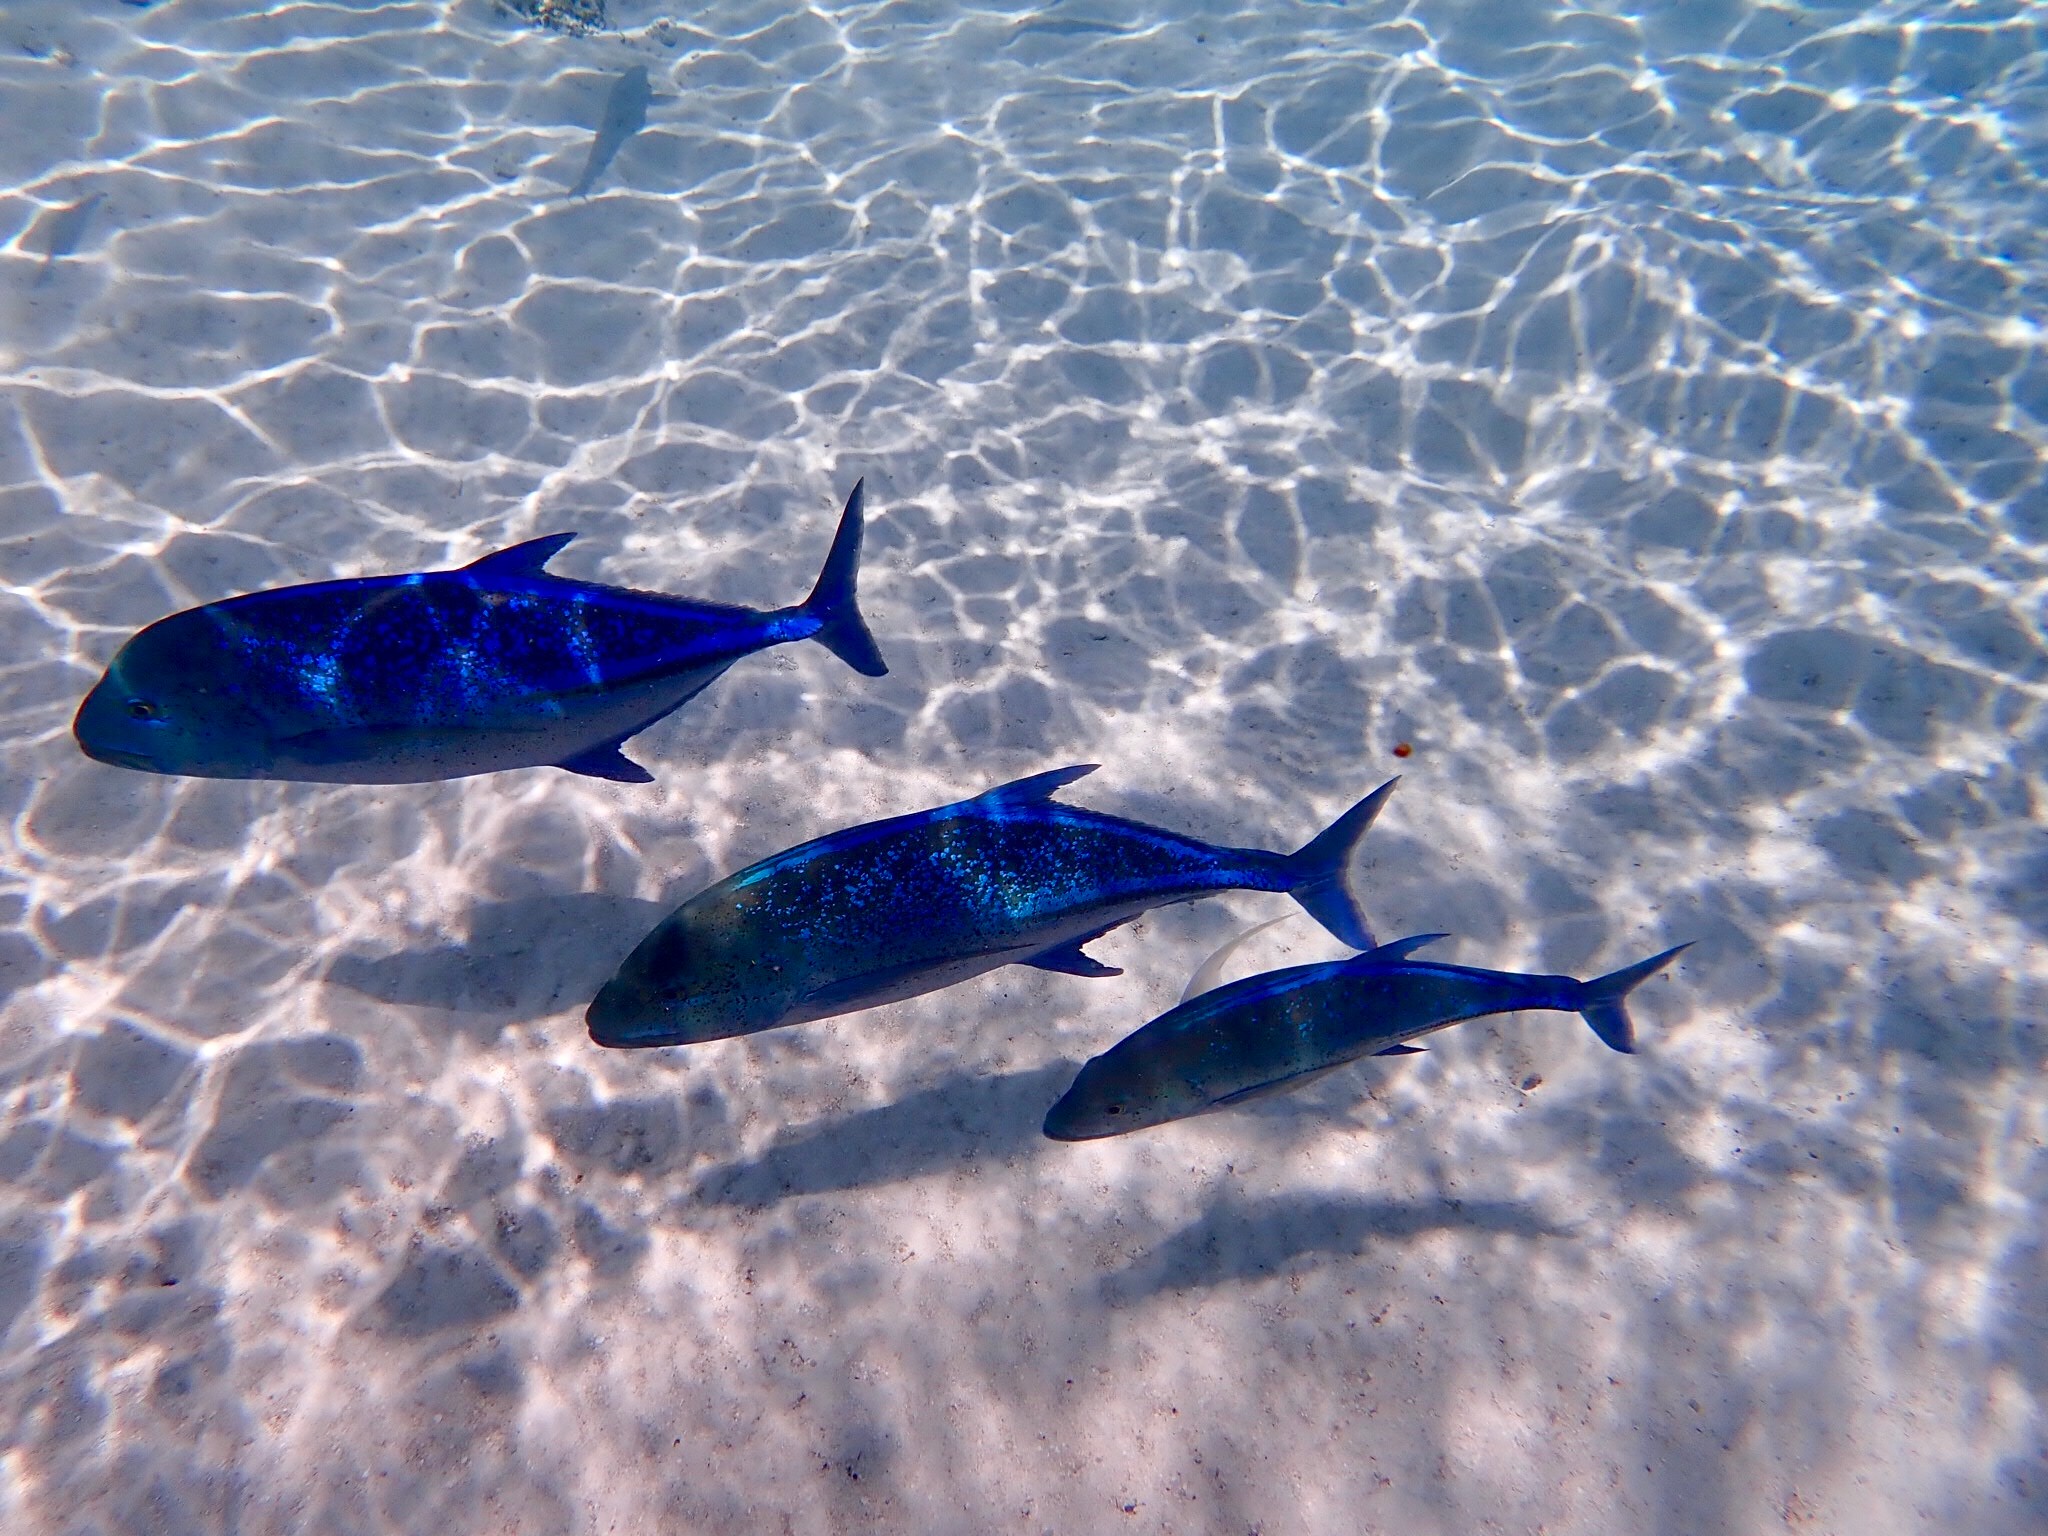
point(576, 17)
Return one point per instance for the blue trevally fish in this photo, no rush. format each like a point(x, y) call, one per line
point(893, 909)
point(625, 114)
point(1284, 1028)
point(440, 674)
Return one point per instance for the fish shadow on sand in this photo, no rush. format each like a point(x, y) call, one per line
point(522, 959)
point(1241, 1242)
point(962, 1120)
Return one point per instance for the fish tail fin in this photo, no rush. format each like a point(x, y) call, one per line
point(832, 602)
point(1316, 871)
point(1603, 999)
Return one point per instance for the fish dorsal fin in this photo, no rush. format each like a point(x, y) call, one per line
point(1400, 949)
point(1070, 959)
point(521, 559)
point(606, 762)
point(1034, 790)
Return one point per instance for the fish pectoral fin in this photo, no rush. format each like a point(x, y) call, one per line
point(1400, 1050)
point(526, 559)
point(864, 987)
point(1279, 1085)
point(1069, 959)
point(314, 749)
point(1209, 976)
point(607, 762)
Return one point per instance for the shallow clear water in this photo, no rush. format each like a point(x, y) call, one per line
point(1636, 410)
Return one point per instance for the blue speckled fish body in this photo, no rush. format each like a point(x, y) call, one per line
point(441, 674)
point(892, 909)
point(1285, 1028)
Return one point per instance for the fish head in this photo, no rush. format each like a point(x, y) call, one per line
point(171, 702)
point(1122, 1090)
point(689, 981)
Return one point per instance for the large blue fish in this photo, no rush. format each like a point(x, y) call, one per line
point(896, 908)
point(1285, 1028)
point(401, 679)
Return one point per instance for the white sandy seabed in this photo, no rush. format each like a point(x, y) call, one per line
point(1639, 410)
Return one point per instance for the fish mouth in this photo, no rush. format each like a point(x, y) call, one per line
point(116, 757)
point(625, 1016)
point(1069, 1122)
point(616, 1018)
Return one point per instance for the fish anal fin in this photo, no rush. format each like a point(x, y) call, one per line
point(1037, 788)
point(526, 559)
point(607, 762)
point(1069, 959)
point(1400, 1050)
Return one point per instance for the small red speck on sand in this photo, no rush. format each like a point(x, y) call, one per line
point(1402, 749)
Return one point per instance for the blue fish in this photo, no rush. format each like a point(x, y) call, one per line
point(438, 675)
point(1285, 1028)
point(625, 114)
point(893, 909)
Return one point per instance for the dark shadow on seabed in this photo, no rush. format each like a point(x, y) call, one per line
point(1239, 1241)
point(966, 1119)
point(513, 965)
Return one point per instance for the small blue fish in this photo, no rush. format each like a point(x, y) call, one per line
point(1285, 1028)
point(438, 675)
point(625, 114)
point(893, 909)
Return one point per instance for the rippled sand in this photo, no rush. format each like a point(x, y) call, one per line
point(1641, 417)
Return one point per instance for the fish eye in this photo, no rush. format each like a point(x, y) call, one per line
point(1116, 1109)
point(142, 709)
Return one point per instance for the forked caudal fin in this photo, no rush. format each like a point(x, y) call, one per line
point(1317, 871)
point(1603, 1007)
point(832, 602)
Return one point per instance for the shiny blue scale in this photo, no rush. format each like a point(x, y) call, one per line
point(401, 679)
point(1285, 1028)
point(892, 909)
